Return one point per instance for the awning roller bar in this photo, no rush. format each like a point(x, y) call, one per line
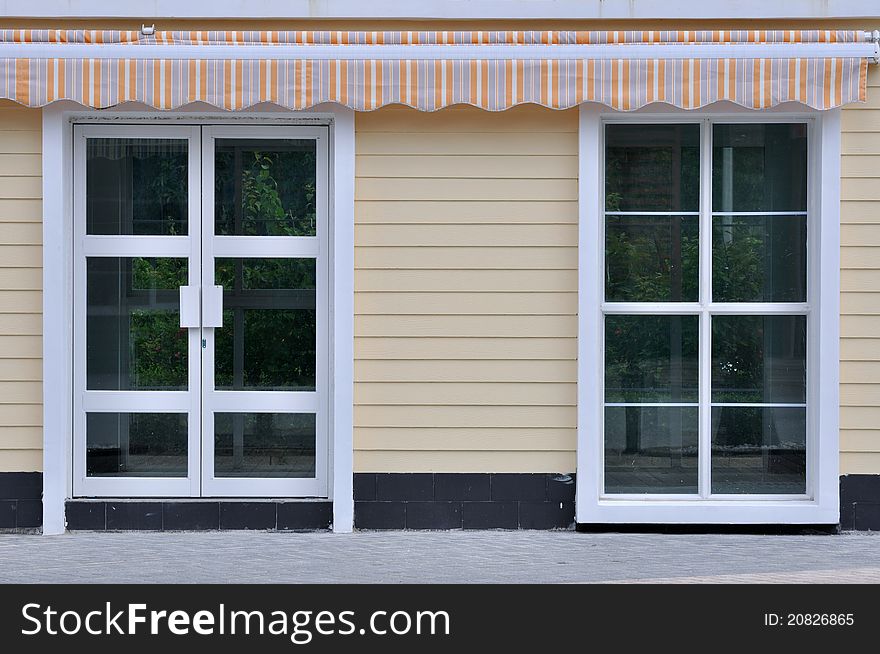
point(430, 52)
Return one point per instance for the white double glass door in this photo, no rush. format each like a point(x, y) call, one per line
point(200, 298)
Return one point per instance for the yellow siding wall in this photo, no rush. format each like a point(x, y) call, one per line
point(860, 284)
point(465, 290)
point(20, 282)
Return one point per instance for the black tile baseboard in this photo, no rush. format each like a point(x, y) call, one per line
point(860, 502)
point(197, 515)
point(463, 501)
point(21, 500)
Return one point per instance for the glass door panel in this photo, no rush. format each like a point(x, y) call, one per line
point(264, 406)
point(136, 368)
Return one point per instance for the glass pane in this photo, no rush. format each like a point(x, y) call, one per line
point(133, 336)
point(652, 258)
point(265, 187)
point(264, 445)
point(651, 358)
point(136, 445)
point(759, 258)
point(268, 337)
point(651, 449)
point(759, 450)
point(759, 167)
point(136, 186)
point(759, 359)
point(652, 167)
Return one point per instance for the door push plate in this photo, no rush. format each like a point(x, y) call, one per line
point(212, 306)
point(189, 306)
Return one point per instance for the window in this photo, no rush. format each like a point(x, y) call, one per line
point(705, 360)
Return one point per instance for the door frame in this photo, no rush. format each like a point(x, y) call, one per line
point(58, 260)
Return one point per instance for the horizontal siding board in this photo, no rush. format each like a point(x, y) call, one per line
point(454, 166)
point(470, 235)
point(859, 212)
point(21, 256)
point(854, 463)
point(15, 460)
point(21, 279)
point(860, 121)
point(20, 438)
point(23, 233)
point(452, 439)
point(21, 324)
point(860, 142)
point(465, 303)
point(468, 370)
point(21, 301)
point(492, 258)
point(470, 188)
point(12, 369)
point(856, 279)
point(860, 303)
point(20, 392)
point(859, 349)
point(860, 235)
point(860, 326)
point(466, 416)
point(420, 212)
point(465, 348)
point(471, 326)
point(14, 115)
point(21, 188)
point(859, 188)
point(464, 394)
point(860, 417)
point(17, 347)
point(472, 461)
point(863, 166)
point(865, 394)
point(17, 165)
point(465, 280)
point(20, 141)
point(21, 415)
point(860, 440)
point(454, 143)
point(860, 372)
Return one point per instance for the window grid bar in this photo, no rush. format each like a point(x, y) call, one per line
point(714, 308)
point(652, 404)
point(759, 213)
point(653, 213)
point(704, 425)
point(763, 405)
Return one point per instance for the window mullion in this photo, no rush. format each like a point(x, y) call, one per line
point(705, 286)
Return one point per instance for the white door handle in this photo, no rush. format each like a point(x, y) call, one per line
point(189, 307)
point(212, 306)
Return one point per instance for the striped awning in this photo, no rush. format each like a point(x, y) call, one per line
point(430, 70)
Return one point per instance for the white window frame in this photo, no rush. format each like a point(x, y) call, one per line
point(58, 299)
point(821, 503)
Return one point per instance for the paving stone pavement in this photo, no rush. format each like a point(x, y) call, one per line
point(438, 557)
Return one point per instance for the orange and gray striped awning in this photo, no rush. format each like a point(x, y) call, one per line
point(430, 70)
